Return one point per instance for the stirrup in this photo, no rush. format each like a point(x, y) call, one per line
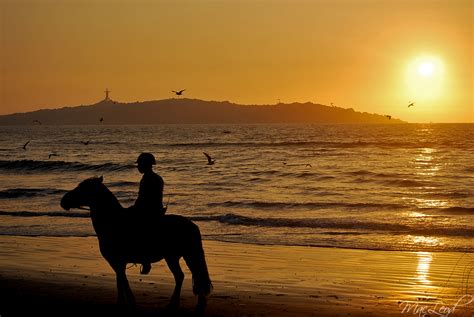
point(145, 268)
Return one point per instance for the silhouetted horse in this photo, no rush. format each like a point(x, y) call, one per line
point(124, 238)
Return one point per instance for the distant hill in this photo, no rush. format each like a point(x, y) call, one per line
point(192, 111)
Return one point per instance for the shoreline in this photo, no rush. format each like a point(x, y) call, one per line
point(312, 246)
point(57, 275)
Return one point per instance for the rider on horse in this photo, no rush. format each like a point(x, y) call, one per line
point(150, 195)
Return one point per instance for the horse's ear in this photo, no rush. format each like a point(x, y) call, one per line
point(101, 178)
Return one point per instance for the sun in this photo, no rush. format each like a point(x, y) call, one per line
point(426, 69)
point(424, 78)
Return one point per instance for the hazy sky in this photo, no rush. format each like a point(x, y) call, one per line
point(371, 55)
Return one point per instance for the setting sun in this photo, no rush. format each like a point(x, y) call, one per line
point(425, 81)
point(426, 69)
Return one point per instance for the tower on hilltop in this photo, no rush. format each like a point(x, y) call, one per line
point(107, 98)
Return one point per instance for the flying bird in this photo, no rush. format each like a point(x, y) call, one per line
point(24, 146)
point(389, 117)
point(52, 154)
point(210, 161)
point(412, 104)
point(37, 121)
point(86, 142)
point(179, 93)
point(308, 165)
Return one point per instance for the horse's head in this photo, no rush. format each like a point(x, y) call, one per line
point(85, 194)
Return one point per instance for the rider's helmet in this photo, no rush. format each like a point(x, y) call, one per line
point(146, 159)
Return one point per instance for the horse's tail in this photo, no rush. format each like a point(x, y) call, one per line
point(196, 262)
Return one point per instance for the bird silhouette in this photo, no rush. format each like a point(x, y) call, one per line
point(24, 146)
point(412, 104)
point(389, 117)
point(210, 161)
point(86, 142)
point(101, 119)
point(308, 165)
point(52, 154)
point(179, 93)
point(37, 121)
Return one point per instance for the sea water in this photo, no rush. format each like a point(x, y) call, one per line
point(385, 187)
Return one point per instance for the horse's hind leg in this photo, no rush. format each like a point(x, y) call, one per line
point(175, 268)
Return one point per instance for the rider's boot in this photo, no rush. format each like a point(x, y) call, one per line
point(146, 268)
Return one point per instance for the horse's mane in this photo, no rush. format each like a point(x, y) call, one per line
point(91, 179)
point(102, 186)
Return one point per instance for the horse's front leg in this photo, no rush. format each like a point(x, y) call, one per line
point(124, 293)
point(173, 264)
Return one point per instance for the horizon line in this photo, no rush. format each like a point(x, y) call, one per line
point(109, 100)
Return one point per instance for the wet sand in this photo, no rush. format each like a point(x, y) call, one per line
point(68, 276)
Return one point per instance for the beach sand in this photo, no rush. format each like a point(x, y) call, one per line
point(54, 276)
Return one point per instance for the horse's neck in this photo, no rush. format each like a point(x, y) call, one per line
point(108, 201)
point(105, 211)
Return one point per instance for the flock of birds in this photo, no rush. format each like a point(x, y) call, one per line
point(180, 93)
point(55, 154)
point(52, 153)
point(40, 123)
point(210, 160)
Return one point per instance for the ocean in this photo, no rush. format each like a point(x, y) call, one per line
point(381, 187)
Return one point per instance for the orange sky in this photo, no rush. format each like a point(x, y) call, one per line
point(364, 54)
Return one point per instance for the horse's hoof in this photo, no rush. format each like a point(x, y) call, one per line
point(201, 305)
point(126, 307)
point(173, 304)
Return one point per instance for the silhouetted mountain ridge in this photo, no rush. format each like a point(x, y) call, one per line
point(183, 110)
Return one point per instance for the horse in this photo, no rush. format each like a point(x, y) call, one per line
point(124, 238)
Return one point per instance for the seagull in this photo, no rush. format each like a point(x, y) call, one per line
point(411, 105)
point(86, 142)
point(52, 154)
point(101, 119)
point(24, 146)
point(37, 121)
point(210, 161)
point(308, 165)
point(179, 93)
point(389, 117)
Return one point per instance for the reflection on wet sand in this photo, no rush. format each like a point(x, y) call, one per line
point(423, 268)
